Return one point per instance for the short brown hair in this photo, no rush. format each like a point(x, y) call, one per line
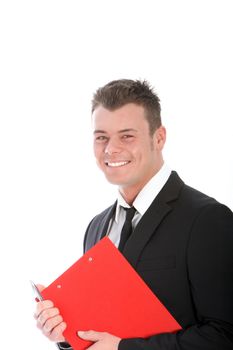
point(118, 93)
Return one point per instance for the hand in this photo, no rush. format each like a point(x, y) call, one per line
point(102, 340)
point(49, 320)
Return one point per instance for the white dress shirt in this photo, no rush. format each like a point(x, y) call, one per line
point(141, 203)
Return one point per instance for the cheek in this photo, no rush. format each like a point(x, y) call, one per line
point(97, 150)
point(146, 156)
point(142, 152)
point(99, 155)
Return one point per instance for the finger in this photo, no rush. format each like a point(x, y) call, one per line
point(41, 306)
point(57, 333)
point(51, 323)
point(46, 315)
point(95, 346)
point(91, 335)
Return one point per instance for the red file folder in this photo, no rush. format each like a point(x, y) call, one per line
point(102, 292)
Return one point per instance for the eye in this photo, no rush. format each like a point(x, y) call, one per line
point(127, 137)
point(101, 138)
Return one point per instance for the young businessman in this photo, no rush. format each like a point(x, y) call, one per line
point(181, 242)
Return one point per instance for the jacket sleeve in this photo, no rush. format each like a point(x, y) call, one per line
point(210, 269)
point(64, 346)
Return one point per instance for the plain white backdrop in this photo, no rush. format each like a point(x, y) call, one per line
point(54, 55)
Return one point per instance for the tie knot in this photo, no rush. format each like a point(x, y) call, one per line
point(129, 213)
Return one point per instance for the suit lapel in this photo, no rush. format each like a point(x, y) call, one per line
point(98, 227)
point(103, 228)
point(152, 218)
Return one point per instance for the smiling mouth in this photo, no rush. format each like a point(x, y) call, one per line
point(117, 164)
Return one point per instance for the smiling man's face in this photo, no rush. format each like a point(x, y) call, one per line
point(124, 149)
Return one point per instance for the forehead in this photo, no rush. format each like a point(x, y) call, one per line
point(125, 117)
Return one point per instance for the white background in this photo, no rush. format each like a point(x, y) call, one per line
point(54, 54)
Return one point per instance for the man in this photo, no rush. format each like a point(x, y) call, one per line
point(182, 240)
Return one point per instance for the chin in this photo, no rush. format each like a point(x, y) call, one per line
point(115, 181)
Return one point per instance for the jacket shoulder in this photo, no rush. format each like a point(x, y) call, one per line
point(97, 227)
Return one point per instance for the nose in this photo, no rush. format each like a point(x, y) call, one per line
point(112, 147)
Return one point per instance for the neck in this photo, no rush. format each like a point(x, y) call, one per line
point(129, 193)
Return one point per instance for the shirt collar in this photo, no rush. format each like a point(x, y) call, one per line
point(147, 194)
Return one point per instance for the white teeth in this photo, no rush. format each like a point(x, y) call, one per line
point(117, 164)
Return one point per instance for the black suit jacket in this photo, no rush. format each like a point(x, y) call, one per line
point(183, 249)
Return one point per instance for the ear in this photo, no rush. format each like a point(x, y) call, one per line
point(160, 138)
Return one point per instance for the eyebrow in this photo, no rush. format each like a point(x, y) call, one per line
point(120, 131)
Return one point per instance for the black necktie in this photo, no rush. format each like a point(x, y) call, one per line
point(127, 227)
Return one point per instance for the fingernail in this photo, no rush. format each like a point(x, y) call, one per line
point(80, 333)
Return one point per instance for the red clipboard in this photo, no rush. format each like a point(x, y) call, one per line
point(102, 292)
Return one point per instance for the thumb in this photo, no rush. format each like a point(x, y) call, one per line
point(90, 335)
